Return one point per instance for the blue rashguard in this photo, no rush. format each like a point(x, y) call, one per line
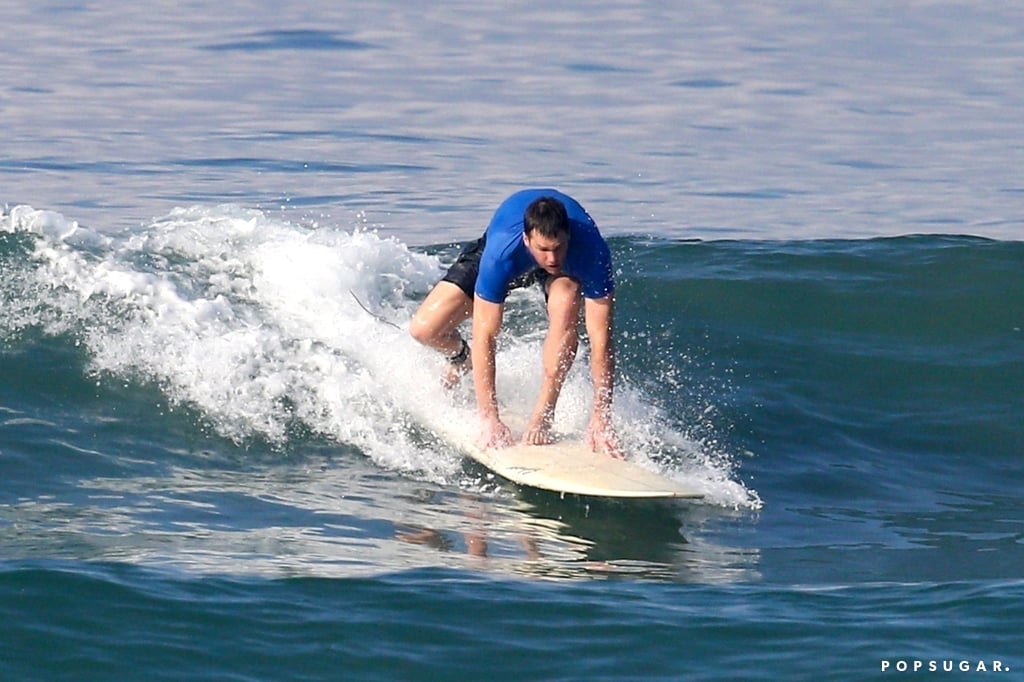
point(506, 257)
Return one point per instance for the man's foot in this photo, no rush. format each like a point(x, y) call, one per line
point(453, 375)
point(538, 431)
point(458, 366)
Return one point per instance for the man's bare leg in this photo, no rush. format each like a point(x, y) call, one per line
point(560, 346)
point(435, 324)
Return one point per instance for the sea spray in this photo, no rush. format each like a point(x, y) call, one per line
point(266, 328)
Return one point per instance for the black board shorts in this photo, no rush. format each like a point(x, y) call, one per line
point(464, 270)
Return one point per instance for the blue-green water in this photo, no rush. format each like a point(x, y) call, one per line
point(440, 624)
point(215, 465)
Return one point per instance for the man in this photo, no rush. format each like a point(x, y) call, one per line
point(536, 235)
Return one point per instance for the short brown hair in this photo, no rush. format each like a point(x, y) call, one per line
point(547, 217)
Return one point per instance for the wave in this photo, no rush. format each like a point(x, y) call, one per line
point(260, 327)
point(856, 366)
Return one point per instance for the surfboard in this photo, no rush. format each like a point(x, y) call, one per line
point(569, 466)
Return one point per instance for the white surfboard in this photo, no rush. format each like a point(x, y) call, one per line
point(569, 466)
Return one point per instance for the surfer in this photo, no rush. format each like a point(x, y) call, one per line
point(537, 236)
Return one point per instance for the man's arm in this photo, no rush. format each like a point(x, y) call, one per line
point(598, 315)
point(487, 317)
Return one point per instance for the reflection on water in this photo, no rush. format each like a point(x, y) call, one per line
point(346, 518)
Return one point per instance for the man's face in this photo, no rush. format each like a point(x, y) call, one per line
point(549, 252)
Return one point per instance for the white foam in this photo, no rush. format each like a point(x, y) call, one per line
point(255, 323)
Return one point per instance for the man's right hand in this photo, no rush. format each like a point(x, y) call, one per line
point(493, 433)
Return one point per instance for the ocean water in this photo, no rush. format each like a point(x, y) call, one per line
point(215, 464)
